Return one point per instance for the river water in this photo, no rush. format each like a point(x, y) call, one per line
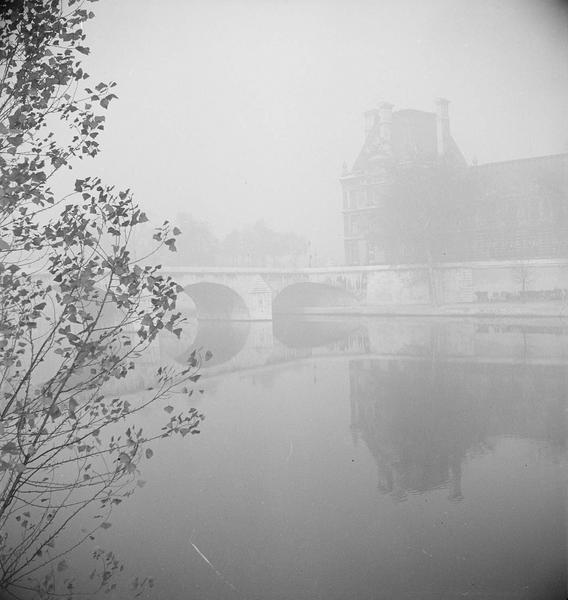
point(364, 459)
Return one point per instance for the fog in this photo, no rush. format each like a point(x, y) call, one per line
point(369, 304)
point(240, 110)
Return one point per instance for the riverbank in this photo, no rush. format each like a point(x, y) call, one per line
point(480, 310)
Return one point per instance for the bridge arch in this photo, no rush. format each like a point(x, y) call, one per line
point(217, 301)
point(310, 296)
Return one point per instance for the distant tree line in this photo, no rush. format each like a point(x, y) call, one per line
point(256, 245)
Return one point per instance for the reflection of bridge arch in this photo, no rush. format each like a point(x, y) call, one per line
point(303, 333)
point(224, 341)
point(309, 295)
point(217, 301)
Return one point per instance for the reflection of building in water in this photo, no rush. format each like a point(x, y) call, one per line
point(421, 419)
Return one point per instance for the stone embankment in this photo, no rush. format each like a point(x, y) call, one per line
point(489, 309)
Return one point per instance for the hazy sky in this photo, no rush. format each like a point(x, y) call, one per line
point(235, 110)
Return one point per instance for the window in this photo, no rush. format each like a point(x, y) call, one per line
point(374, 196)
point(357, 198)
point(354, 229)
point(351, 253)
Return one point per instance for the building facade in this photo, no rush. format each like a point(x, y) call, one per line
point(410, 197)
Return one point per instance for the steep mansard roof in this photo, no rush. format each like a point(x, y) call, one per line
point(413, 138)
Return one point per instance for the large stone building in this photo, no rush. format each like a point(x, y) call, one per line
point(410, 197)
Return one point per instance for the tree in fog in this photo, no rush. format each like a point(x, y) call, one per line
point(196, 245)
point(523, 276)
point(76, 311)
point(260, 246)
point(426, 217)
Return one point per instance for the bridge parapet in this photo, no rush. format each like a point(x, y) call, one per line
point(263, 289)
point(250, 293)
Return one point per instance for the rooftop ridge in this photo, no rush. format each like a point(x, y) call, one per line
point(518, 160)
point(414, 110)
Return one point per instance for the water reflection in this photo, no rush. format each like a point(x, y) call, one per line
point(224, 339)
point(461, 424)
point(248, 345)
point(424, 394)
point(302, 333)
point(421, 419)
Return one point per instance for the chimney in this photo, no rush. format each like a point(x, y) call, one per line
point(442, 126)
point(385, 123)
point(371, 118)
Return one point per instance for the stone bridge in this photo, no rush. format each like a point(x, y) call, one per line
point(255, 294)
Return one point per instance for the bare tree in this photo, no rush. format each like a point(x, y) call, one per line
point(523, 276)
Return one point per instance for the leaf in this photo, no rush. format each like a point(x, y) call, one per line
point(124, 459)
point(169, 409)
point(149, 453)
point(106, 525)
point(54, 411)
point(11, 448)
point(62, 566)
